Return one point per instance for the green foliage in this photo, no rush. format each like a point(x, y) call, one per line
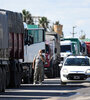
point(43, 22)
point(27, 17)
point(57, 23)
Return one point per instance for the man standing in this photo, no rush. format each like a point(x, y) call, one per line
point(38, 65)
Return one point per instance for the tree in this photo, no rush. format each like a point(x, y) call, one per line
point(43, 22)
point(52, 27)
point(57, 23)
point(27, 17)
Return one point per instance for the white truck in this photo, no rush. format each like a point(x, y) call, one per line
point(33, 42)
point(66, 49)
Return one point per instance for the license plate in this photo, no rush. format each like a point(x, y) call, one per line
point(76, 77)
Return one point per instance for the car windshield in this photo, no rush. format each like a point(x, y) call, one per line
point(77, 62)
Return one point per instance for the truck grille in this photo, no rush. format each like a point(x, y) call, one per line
point(76, 76)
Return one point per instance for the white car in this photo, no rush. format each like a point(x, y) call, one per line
point(75, 69)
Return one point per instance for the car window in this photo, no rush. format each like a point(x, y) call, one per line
point(77, 62)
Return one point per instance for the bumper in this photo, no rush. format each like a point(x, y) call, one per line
point(64, 78)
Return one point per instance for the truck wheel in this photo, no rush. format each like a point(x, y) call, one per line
point(50, 73)
point(15, 78)
point(54, 71)
point(7, 76)
point(0, 79)
point(13, 74)
point(4, 79)
point(31, 74)
point(19, 74)
point(27, 80)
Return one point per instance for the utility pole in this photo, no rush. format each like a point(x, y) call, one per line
point(73, 31)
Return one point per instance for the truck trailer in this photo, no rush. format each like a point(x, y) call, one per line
point(11, 49)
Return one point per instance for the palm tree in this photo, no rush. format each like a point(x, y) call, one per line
point(27, 17)
point(57, 23)
point(43, 22)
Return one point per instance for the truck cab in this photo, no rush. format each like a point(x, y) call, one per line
point(66, 49)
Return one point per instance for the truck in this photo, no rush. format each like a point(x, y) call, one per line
point(11, 49)
point(65, 49)
point(76, 45)
point(34, 40)
point(88, 48)
point(52, 54)
point(83, 48)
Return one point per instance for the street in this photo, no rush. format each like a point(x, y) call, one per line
point(49, 90)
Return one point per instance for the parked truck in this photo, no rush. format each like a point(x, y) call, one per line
point(34, 40)
point(66, 49)
point(76, 45)
point(52, 54)
point(88, 48)
point(11, 49)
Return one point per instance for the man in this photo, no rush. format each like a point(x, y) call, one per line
point(38, 66)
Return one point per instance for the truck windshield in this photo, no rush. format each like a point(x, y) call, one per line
point(65, 48)
point(77, 62)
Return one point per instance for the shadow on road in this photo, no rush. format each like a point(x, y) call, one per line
point(33, 95)
point(44, 91)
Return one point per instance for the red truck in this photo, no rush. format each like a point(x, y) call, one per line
point(88, 48)
point(11, 49)
point(48, 64)
point(52, 55)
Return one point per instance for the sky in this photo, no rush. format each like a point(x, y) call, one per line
point(69, 13)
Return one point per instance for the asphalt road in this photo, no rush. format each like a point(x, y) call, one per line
point(49, 90)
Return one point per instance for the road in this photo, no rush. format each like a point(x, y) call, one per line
point(49, 90)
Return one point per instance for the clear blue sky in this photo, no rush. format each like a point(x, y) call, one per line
point(69, 12)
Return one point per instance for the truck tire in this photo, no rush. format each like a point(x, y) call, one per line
point(31, 73)
point(7, 76)
point(3, 79)
point(51, 71)
point(50, 74)
point(14, 74)
point(0, 79)
point(27, 80)
point(54, 71)
point(27, 77)
point(19, 74)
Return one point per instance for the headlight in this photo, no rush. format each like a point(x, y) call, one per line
point(65, 71)
point(88, 71)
